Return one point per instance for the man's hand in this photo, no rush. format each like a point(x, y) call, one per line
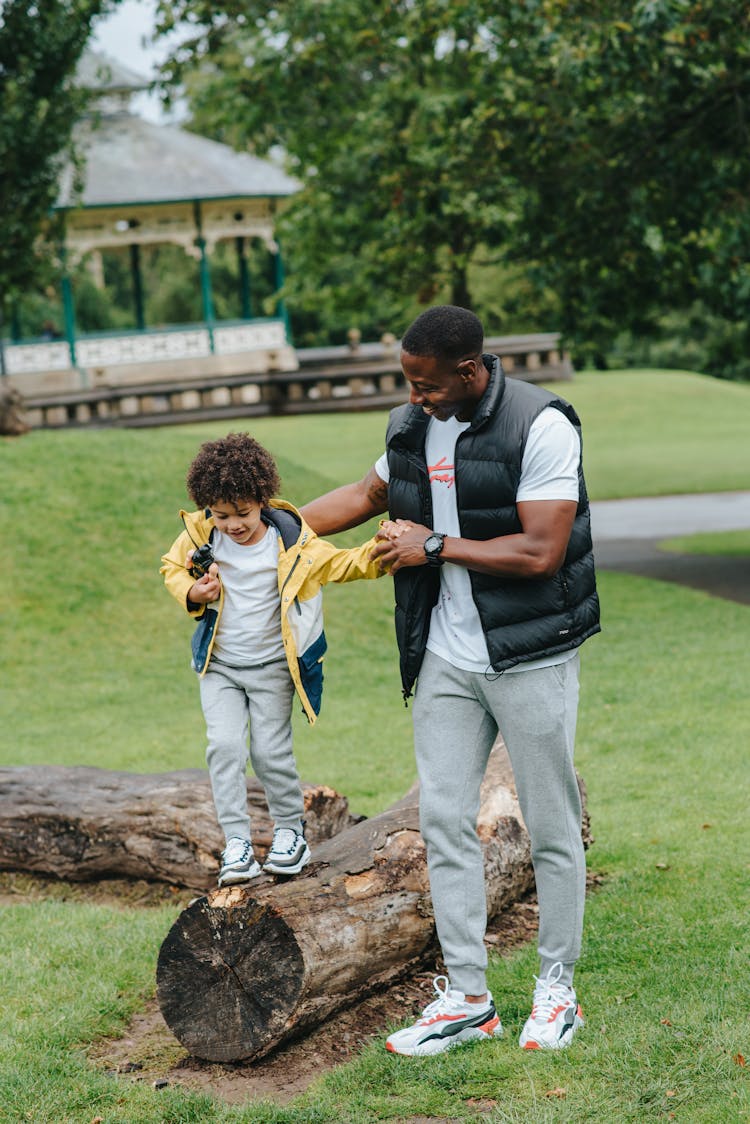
point(207, 588)
point(400, 543)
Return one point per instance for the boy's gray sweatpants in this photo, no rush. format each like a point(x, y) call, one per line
point(456, 718)
point(258, 699)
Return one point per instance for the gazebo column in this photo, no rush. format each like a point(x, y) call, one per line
point(137, 277)
point(69, 312)
point(244, 273)
point(205, 273)
point(279, 278)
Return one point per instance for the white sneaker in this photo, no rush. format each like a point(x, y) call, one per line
point(289, 852)
point(555, 1014)
point(446, 1022)
point(238, 863)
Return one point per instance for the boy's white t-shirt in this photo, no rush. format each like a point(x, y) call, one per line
point(249, 630)
point(549, 471)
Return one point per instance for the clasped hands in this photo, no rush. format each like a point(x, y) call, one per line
point(400, 543)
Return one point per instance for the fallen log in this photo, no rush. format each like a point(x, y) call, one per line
point(248, 967)
point(83, 823)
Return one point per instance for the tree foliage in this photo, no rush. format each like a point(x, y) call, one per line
point(601, 145)
point(637, 163)
point(382, 113)
point(40, 45)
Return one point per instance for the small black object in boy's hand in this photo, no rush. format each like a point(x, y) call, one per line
point(202, 558)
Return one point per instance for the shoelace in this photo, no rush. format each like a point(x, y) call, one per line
point(549, 993)
point(283, 839)
point(237, 851)
point(445, 1004)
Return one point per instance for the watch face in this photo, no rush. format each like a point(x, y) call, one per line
point(433, 545)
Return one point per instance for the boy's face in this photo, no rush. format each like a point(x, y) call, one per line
point(241, 521)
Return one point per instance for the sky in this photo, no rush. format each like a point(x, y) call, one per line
point(124, 36)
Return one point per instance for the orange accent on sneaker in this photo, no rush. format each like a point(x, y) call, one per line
point(557, 1011)
point(440, 1019)
point(531, 1045)
point(489, 1026)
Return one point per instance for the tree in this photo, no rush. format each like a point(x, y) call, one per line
point(385, 115)
point(636, 163)
point(40, 45)
point(602, 146)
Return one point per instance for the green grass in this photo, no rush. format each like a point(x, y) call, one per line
point(95, 671)
point(650, 433)
point(728, 544)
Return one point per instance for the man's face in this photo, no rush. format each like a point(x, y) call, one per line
point(241, 521)
point(444, 388)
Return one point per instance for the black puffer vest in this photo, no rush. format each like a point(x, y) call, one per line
point(522, 618)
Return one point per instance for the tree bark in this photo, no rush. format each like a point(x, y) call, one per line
point(250, 966)
point(85, 823)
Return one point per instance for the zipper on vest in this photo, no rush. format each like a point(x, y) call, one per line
point(423, 481)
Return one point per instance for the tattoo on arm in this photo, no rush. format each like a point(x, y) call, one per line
point(377, 491)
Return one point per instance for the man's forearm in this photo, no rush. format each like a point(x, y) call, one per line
point(348, 506)
point(537, 551)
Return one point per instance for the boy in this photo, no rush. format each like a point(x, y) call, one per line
point(250, 570)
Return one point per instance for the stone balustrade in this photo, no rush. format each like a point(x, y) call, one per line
point(366, 376)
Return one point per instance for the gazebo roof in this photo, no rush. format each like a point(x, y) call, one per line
point(129, 160)
point(97, 71)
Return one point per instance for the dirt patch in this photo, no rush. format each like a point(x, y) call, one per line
point(17, 887)
point(149, 1052)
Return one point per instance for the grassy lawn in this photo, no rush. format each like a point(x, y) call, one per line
point(651, 433)
point(95, 671)
point(728, 544)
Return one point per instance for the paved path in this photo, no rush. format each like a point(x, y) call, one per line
point(660, 517)
point(626, 534)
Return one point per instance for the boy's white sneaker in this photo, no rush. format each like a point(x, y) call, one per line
point(446, 1022)
point(289, 852)
point(238, 864)
point(555, 1014)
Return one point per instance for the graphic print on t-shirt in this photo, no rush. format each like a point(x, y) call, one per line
point(442, 472)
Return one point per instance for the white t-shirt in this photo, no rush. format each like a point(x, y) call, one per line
point(249, 630)
point(549, 471)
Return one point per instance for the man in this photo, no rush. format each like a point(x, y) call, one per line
point(490, 547)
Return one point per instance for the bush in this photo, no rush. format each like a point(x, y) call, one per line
point(689, 340)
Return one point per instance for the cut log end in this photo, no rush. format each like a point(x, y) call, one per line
point(229, 976)
point(258, 964)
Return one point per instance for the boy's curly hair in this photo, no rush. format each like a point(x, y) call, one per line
point(232, 469)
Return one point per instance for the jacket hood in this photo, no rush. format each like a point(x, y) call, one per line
point(283, 515)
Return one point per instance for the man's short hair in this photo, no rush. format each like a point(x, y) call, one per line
point(445, 332)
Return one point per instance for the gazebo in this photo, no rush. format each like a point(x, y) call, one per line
point(146, 184)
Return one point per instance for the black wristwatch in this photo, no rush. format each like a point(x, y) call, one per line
point(433, 544)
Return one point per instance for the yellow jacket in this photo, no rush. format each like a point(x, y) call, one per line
point(306, 564)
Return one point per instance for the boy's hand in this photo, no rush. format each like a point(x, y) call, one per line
point(399, 543)
point(207, 588)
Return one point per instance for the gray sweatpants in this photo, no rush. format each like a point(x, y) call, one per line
point(456, 718)
point(236, 700)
